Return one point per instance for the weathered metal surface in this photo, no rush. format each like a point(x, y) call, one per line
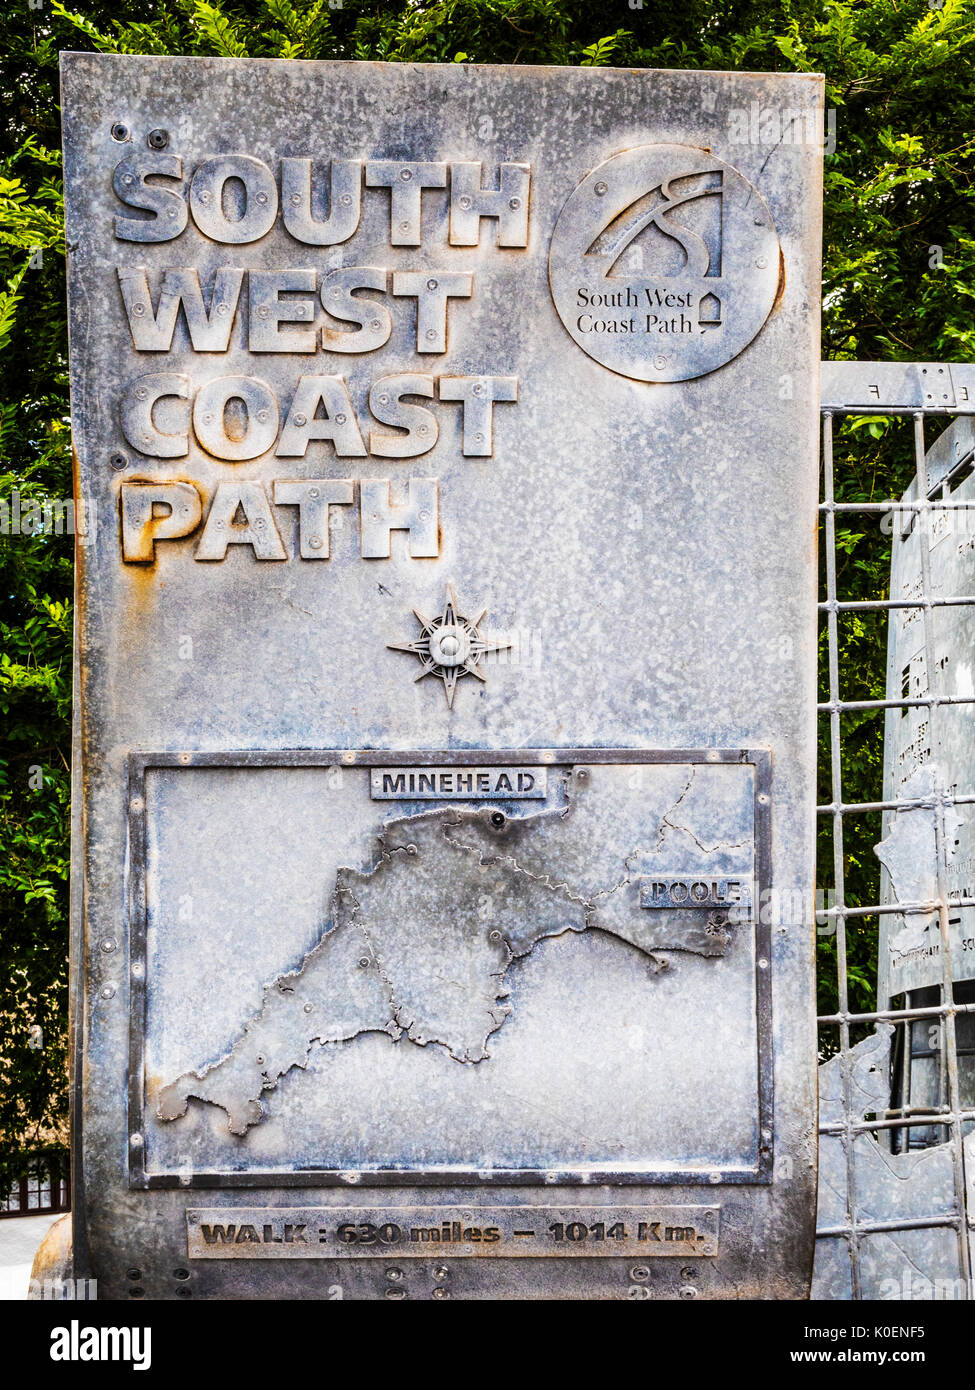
point(862, 387)
point(897, 1141)
point(903, 1188)
point(928, 754)
point(321, 392)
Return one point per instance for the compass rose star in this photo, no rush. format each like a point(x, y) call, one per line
point(450, 645)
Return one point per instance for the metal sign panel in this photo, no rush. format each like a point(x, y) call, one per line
point(446, 645)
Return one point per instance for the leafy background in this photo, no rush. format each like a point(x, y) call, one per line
point(901, 181)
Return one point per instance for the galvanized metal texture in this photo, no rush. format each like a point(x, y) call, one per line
point(863, 1188)
point(336, 436)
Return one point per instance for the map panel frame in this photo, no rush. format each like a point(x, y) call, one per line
point(139, 763)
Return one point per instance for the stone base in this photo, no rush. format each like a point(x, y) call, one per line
point(53, 1266)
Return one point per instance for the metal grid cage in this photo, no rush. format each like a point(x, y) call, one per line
point(907, 397)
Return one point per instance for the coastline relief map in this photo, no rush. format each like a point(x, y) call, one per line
point(419, 945)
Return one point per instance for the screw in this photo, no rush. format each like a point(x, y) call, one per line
point(158, 139)
point(133, 1275)
point(497, 818)
point(688, 1292)
point(108, 945)
point(600, 189)
point(395, 1294)
point(441, 1272)
point(640, 1272)
point(118, 461)
point(441, 1293)
point(494, 935)
point(688, 1273)
point(582, 775)
point(394, 1275)
point(514, 204)
point(120, 132)
point(364, 962)
point(108, 991)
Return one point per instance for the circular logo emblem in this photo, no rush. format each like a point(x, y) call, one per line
point(664, 263)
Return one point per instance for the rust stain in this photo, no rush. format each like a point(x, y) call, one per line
point(780, 289)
